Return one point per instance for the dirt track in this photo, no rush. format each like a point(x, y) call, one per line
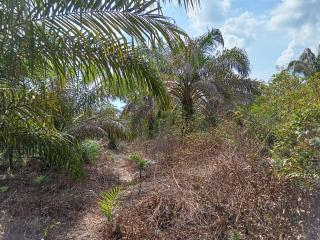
point(62, 209)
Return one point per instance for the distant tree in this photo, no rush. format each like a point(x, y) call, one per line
point(204, 74)
point(307, 64)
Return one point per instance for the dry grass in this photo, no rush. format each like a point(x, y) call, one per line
point(205, 188)
point(65, 208)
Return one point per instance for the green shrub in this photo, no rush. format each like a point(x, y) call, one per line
point(288, 110)
point(90, 150)
point(108, 201)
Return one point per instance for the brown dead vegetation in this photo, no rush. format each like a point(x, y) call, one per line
point(60, 210)
point(206, 188)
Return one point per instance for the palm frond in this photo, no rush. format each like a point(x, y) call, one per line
point(85, 40)
point(96, 127)
point(300, 67)
point(108, 201)
point(234, 59)
point(208, 42)
point(186, 3)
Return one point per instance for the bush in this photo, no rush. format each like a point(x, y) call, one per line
point(287, 116)
point(90, 150)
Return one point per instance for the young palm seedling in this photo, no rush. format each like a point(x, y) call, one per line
point(108, 201)
point(141, 163)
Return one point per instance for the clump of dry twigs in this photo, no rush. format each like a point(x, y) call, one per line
point(210, 190)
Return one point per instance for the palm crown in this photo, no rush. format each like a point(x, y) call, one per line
point(207, 73)
point(307, 64)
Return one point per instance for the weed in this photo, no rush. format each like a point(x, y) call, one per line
point(48, 228)
point(234, 235)
point(135, 157)
point(42, 180)
point(4, 189)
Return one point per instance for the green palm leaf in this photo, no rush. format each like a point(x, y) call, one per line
point(108, 201)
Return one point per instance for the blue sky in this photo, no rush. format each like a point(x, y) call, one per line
point(273, 32)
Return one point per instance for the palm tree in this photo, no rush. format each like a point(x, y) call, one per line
point(142, 114)
point(206, 75)
point(52, 42)
point(307, 64)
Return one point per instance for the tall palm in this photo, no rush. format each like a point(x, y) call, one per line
point(307, 64)
point(206, 75)
point(52, 41)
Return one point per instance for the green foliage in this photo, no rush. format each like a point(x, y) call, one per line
point(4, 189)
point(234, 235)
point(203, 79)
point(48, 46)
point(42, 180)
point(140, 162)
point(49, 228)
point(90, 150)
point(135, 157)
point(288, 112)
point(113, 142)
point(108, 201)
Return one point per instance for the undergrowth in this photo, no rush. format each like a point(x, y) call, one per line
point(90, 150)
point(223, 182)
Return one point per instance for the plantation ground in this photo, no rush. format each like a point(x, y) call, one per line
point(64, 208)
point(196, 188)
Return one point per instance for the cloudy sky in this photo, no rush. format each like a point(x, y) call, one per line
point(273, 32)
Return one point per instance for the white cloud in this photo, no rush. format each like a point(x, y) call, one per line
point(238, 28)
point(295, 21)
point(300, 20)
point(287, 55)
point(239, 31)
point(226, 5)
point(212, 13)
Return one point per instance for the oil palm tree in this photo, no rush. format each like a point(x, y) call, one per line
point(207, 74)
point(307, 64)
point(45, 42)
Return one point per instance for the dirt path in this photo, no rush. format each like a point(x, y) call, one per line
point(92, 221)
point(121, 167)
point(65, 209)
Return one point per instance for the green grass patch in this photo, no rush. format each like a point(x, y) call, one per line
point(4, 189)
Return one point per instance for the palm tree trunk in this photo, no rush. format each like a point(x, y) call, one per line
point(188, 115)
